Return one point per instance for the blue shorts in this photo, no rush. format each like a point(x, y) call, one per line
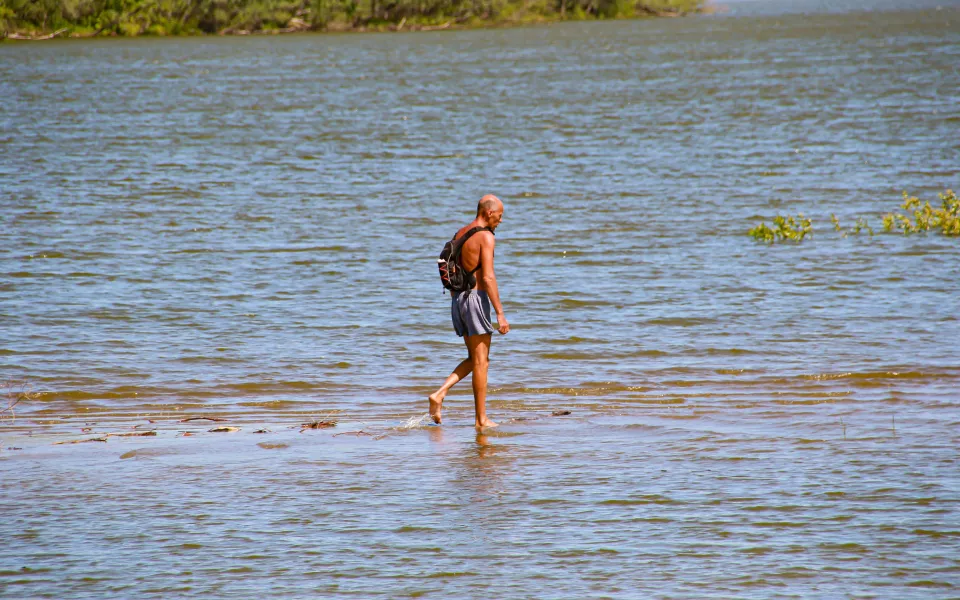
point(470, 311)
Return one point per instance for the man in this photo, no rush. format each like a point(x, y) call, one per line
point(470, 311)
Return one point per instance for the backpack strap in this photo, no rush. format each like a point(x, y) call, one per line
point(460, 241)
point(470, 232)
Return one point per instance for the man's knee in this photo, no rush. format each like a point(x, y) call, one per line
point(478, 346)
point(480, 359)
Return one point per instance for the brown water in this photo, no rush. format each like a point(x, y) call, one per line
point(246, 228)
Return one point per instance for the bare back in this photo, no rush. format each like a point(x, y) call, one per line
point(470, 256)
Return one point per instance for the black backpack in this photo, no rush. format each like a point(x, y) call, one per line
point(452, 274)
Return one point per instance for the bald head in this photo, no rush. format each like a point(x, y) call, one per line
point(488, 203)
point(489, 212)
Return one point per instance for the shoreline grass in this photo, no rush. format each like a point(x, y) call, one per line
point(51, 19)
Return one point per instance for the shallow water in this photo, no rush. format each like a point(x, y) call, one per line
point(246, 228)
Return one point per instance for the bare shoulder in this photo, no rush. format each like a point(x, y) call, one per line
point(486, 238)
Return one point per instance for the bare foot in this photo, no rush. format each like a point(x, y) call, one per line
point(484, 424)
point(436, 401)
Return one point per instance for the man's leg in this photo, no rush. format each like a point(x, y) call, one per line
point(479, 348)
point(436, 398)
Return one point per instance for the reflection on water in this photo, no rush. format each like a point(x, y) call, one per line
point(244, 228)
point(478, 469)
point(484, 448)
point(487, 463)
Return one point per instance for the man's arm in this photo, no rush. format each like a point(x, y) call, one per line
point(489, 279)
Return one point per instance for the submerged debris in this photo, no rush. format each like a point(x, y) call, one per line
point(560, 413)
point(217, 419)
point(223, 430)
point(95, 439)
point(317, 424)
point(357, 433)
point(272, 446)
point(14, 396)
point(133, 434)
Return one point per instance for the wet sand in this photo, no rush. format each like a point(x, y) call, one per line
point(673, 503)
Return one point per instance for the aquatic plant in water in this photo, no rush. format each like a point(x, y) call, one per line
point(925, 218)
point(946, 219)
point(859, 226)
point(15, 392)
point(784, 229)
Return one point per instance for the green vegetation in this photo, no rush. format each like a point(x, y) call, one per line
point(926, 218)
point(41, 19)
point(784, 229)
point(860, 225)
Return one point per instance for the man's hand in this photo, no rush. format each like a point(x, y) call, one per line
point(504, 326)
